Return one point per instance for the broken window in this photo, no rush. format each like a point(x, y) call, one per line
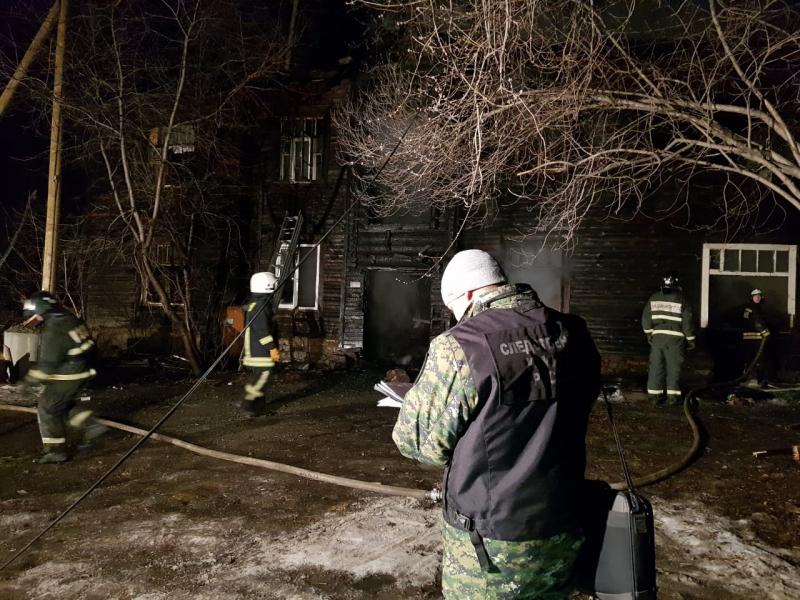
point(301, 149)
point(169, 275)
point(181, 139)
point(301, 290)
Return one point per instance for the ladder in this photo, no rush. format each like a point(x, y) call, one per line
point(282, 263)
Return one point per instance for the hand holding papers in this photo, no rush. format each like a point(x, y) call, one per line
point(393, 392)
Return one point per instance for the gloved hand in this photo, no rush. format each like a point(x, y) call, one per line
point(690, 345)
point(650, 338)
point(275, 355)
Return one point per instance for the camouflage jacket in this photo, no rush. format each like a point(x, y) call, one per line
point(436, 411)
point(434, 415)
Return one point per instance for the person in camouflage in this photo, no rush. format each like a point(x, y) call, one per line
point(62, 368)
point(502, 402)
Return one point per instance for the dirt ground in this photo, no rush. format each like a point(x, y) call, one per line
point(172, 524)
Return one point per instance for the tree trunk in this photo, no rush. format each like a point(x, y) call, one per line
point(187, 339)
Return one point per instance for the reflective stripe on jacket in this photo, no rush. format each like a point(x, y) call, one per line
point(65, 344)
point(258, 337)
point(668, 315)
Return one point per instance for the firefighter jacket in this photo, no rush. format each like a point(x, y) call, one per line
point(64, 349)
point(755, 324)
point(258, 337)
point(503, 402)
point(668, 316)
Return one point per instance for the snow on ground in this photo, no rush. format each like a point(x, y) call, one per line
point(385, 536)
point(389, 537)
point(719, 551)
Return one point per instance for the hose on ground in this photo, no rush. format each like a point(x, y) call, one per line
point(195, 385)
point(368, 486)
point(689, 457)
point(689, 407)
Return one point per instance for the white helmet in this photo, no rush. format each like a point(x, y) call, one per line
point(469, 270)
point(756, 292)
point(263, 283)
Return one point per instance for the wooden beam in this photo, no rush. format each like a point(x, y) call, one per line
point(30, 54)
point(50, 263)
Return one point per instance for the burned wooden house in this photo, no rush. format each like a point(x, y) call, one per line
point(376, 279)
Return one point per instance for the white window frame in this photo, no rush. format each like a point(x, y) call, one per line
point(708, 272)
point(293, 305)
point(305, 147)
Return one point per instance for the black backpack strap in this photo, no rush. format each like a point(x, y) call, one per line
point(465, 523)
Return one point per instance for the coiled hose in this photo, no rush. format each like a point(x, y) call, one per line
point(689, 406)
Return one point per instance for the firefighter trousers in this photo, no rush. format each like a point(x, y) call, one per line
point(254, 396)
point(58, 410)
point(666, 361)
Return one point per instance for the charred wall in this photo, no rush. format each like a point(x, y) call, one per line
point(307, 336)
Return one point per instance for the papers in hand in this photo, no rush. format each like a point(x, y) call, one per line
point(390, 402)
point(394, 393)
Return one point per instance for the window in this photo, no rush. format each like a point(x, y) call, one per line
point(301, 290)
point(730, 271)
point(181, 139)
point(169, 274)
point(301, 149)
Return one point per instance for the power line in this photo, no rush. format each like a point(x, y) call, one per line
point(197, 383)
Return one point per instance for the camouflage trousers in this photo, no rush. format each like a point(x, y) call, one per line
point(535, 569)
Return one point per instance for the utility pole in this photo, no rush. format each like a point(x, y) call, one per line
point(30, 54)
point(50, 262)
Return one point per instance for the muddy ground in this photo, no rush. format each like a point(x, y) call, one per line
point(173, 525)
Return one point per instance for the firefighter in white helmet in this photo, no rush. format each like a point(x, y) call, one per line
point(757, 329)
point(260, 345)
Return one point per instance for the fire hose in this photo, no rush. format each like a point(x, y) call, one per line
point(434, 495)
point(660, 475)
point(689, 407)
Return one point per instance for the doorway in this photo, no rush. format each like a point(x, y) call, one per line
point(397, 317)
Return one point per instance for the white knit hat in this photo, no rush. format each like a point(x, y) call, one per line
point(469, 270)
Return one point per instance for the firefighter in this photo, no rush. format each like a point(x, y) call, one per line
point(755, 330)
point(62, 368)
point(502, 403)
point(260, 347)
point(667, 323)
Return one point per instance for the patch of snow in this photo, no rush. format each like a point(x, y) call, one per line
point(391, 536)
point(724, 552)
point(20, 521)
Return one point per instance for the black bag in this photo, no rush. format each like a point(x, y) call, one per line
point(617, 561)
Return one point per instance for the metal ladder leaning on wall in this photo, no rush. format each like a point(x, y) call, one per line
point(285, 250)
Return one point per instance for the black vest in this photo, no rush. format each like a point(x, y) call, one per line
point(516, 471)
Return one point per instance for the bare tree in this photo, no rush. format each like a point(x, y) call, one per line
point(567, 105)
point(153, 92)
point(21, 263)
